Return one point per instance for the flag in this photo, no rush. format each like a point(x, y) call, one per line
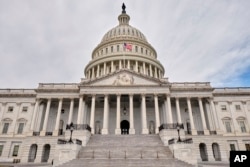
point(128, 46)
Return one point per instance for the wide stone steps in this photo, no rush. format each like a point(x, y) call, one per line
point(126, 163)
point(125, 151)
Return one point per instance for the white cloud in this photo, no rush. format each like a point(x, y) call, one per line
point(52, 41)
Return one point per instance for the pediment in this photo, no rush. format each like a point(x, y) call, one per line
point(125, 78)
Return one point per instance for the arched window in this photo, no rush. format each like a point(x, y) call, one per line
point(216, 151)
point(203, 152)
point(32, 153)
point(46, 153)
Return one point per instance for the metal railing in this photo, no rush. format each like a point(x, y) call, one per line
point(63, 141)
point(185, 141)
point(171, 126)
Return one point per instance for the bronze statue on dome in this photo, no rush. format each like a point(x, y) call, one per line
point(123, 8)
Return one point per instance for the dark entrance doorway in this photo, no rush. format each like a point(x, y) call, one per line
point(124, 127)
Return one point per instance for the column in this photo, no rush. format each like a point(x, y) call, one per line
point(55, 133)
point(128, 65)
point(79, 115)
point(178, 110)
point(98, 70)
point(217, 126)
point(45, 123)
point(159, 73)
point(118, 114)
point(144, 115)
point(155, 72)
point(104, 69)
point(206, 132)
point(233, 118)
point(131, 115)
point(112, 66)
point(144, 68)
point(120, 64)
point(93, 73)
point(136, 66)
point(71, 108)
point(92, 115)
point(157, 117)
point(105, 115)
point(169, 110)
point(193, 130)
point(150, 70)
point(34, 116)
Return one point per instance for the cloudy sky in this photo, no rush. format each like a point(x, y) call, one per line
point(45, 41)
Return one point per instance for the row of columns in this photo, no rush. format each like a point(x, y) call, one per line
point(95, 73)
point(168, 115)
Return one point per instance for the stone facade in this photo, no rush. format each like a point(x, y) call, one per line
point(124, 92)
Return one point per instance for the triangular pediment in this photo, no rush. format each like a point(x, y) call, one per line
point(125, 78)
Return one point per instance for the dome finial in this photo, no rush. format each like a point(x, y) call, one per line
point(123, 8)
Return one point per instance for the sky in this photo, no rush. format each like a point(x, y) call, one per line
point(44, 41)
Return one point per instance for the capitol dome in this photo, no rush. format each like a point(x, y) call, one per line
point(124, 48)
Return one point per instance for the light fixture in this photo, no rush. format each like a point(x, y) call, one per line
point(124, 111)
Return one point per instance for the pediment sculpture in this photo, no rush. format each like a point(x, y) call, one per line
point(124, 79)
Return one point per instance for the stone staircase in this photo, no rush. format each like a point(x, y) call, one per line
point(125, 150)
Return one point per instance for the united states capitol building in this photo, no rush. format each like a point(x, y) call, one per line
point(124, 109)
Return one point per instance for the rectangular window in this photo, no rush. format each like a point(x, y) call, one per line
point(20, 128)
point(1, 150)
point(247, 147)
point(228, 126)
point(106, 50)
point(237, 107)
point(136, 48)
point(117, 48)
point(15, 151)
point(111, 48)
point(232, 147)
point(242, 126)
point(10, 109)
point(141, 50)
point(223, 108)
point(5, 128)
point(25, 109)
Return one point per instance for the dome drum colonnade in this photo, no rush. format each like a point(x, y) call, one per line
point(111, 55)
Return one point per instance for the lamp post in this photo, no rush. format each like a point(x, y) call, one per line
point(178, 130)
point(71, 128)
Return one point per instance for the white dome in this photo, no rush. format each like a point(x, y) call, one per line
point(124, 31)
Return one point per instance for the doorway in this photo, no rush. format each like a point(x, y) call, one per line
point(124, 127)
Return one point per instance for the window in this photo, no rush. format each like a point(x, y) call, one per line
point(242, 126)
point(111, 48)
point(15, 151)
point(228, 126)
point(223, 108)
point(5, 128)
point(247, 147)
point(141, 50)
point(117, 48)
point(106, 50)
point(237, 107)
point(10, 109)
point(232, 147)
point(146, 52)
point(136, 48)
point(20, 128)
point(1, 150)
point(25, 109)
